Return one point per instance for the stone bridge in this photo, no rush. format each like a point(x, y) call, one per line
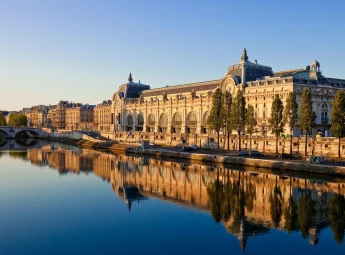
point(13, 132)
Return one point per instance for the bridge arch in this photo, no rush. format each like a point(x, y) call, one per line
point(3, 133)
point(26, 133)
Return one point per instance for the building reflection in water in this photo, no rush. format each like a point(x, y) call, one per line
point(248, 203)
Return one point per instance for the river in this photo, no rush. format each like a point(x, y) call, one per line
point(61, 199)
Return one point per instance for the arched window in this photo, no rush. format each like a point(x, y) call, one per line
point(204, 119)
point(129, 120)
point(140, 120)
point(177, 119)
point(163, 120)
point(324, 106)
point(192, 119)
point(151, 120)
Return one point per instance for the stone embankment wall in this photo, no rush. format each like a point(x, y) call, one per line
point(68, 134)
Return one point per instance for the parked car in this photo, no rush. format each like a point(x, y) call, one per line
point(256, 154)
point(120, 141)
point(151, 144)
point(188, 148)
point(243, 153)
point(286, 156)
point(194, 147)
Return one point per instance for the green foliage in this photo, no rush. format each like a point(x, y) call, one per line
point(2, 119)
point(227, 107)
point(250, 120)
point(337, 217)
point(276, 120)
point(238, 116)
point(290, 115)
point(338, 115)
point(239, 112)
point(216, 117)
point(307, 116)
point(18, 120)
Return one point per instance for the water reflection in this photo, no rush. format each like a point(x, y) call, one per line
point(248, 203)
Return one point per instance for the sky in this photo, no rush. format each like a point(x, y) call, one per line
point(83, 50)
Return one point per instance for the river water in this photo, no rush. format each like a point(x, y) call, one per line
point(61, 199)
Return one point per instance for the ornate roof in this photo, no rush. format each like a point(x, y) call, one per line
point(287, 72)
point(198, 86)
point(131, 89)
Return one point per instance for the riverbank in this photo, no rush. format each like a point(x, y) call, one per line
point(278, 164)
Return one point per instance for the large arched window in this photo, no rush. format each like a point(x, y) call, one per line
point(140, 120)
point(192, 119)
point(151, 120)
point(129, 120)
point(177, 119)
point(204, 119)
point(163, 120)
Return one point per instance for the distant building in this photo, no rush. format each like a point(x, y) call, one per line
point(58, 114)
point(79, 117)
point(103, 117)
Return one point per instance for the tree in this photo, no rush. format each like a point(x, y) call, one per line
point(216, 119)
point(250, 123)
point(290, 115)
point(307, 116)
point(338, 117)
point(227, 107)
point(238, 115)
point(2, 119)
point(18, 120)
point(276, 120)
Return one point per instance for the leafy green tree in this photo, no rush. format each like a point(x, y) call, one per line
point(290, 115)
point(338, 117)
point(238, 115)
point(337, 217)
point(250, 123)
point(2, 119)
point(216, 117)
point(18, 120)
point(276, 120)
point(306, 116)
point(227, 106)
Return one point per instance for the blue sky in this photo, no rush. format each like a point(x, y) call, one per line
point(82, 50)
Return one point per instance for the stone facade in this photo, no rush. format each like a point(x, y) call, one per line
point(79, 117)
point(181, 111)
point(103, 117)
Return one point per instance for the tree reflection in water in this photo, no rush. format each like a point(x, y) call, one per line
point(337, 217)
point(276, 205)
point(306, 212)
